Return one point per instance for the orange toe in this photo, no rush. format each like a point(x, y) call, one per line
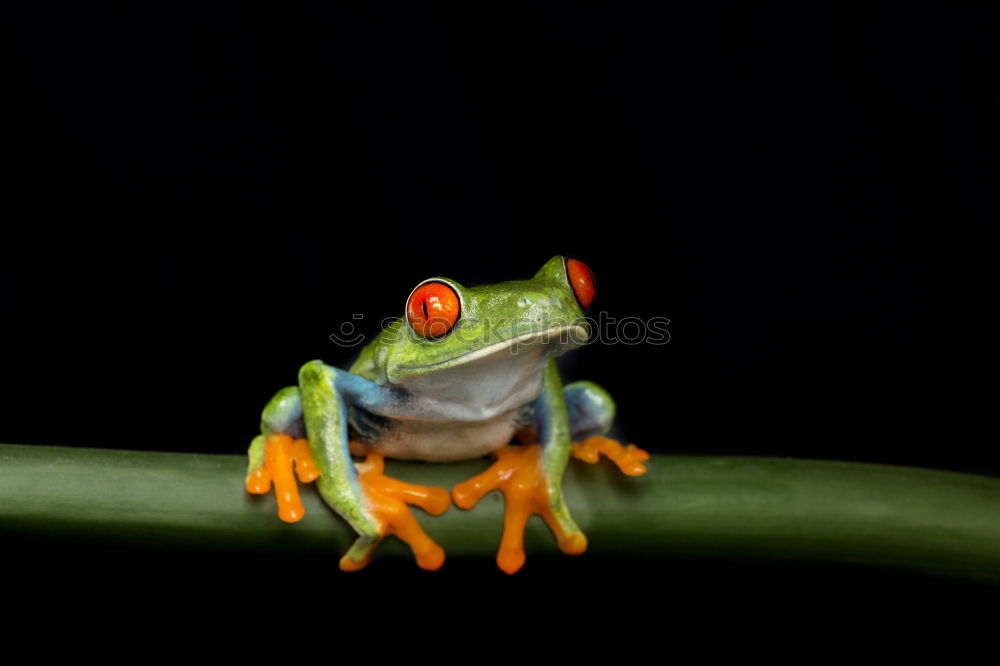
point(628, 458)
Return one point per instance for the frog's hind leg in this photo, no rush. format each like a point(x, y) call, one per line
point(591, 413)
point(277, 450)
point(590, 408)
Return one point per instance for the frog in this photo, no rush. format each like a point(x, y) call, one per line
point(465, 372)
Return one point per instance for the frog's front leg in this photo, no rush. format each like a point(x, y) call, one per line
point(530, 476)
point(373, 504)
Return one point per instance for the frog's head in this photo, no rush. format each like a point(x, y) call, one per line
point(447, 326)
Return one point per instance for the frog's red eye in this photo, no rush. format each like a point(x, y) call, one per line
point(582, 281)
point(433, 309)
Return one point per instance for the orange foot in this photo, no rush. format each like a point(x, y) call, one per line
point(519, 475)
point(628, 458)
point(387, 500)
point(280, 452)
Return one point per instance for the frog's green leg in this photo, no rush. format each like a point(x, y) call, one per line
point(591, 412)
point(374, 505)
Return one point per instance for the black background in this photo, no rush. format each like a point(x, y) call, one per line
point(807, 191)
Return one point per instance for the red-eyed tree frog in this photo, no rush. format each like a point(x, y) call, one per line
point(461, 374)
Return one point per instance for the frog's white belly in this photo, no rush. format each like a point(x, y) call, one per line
point(446, 441)
point(466, 411)
point(477, 391)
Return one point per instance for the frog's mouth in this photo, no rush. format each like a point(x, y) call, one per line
point(564, 337)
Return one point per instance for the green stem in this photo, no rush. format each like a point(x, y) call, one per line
point(747, 508)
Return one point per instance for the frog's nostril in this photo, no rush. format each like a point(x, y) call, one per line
point(523, 302)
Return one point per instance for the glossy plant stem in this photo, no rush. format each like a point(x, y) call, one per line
point(730, 507)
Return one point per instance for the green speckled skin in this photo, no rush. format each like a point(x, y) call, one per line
point(325, 417)
point(556, 442)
